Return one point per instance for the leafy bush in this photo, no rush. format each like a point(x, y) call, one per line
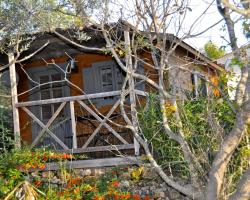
point(5, 120)
point(16, 164)
point(6, 138)
point(198, 130)
point(22, 169)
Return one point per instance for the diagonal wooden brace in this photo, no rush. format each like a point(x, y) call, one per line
point(44, 127)
point(101, 124)
point(34, 143)
point(104, 124)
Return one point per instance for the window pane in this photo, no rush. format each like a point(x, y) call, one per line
point(107, 88)
point(106, 75)
point(119, 78)
point(202, 88)
point(56, 77)
point(44, 79)
point(57, 93)
point(45, 94)
point(46, 112)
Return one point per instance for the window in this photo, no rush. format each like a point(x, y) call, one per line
point(50, 91)
point(199, 84)
point(61, 127)
point(105, 77)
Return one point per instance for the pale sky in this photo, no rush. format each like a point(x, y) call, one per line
point(216, 34)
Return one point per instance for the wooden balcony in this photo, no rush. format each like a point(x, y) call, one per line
point(81, 102)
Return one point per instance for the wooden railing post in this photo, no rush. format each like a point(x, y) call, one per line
point(73, 124)
point(13, 84)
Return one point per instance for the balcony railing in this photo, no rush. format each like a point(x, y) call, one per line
point(83, 102)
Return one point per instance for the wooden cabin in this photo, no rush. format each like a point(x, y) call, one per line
point(64, 95)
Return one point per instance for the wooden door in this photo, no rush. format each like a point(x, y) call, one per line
point(51, 85)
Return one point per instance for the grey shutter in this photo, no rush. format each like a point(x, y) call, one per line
point(119, 77)
point(89, 80)
point(139, 84)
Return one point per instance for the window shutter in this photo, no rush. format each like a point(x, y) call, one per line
point(119, 77)
point(89, 80)
point(139, 84)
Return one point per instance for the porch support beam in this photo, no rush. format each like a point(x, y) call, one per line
point(75, 98)
point(73, 124)
point(13, 84)
point(132, 92)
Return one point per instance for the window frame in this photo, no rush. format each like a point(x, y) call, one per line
point(35, 74)
point(195, 75)
point(51, 87)
point(96, 80)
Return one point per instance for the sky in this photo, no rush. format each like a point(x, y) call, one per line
point(215, 34)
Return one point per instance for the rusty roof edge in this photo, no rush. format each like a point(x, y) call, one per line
point(200, 55)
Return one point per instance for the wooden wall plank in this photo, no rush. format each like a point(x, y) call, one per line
point(96, 163)
point(100, 148)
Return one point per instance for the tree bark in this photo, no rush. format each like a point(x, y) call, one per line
point(224, 155)
point(243, 188)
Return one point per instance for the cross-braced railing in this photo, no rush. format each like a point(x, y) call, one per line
point(89, 108)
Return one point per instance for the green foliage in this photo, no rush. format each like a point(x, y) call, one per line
point(213, 51)
point(15, 166)
point(246, 27)
point(5, 120)
point(22, 17)
point(167, 152)
point(198, 132)
point(6, 138)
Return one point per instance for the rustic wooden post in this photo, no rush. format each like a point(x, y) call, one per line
point(73, 124)
point(13, 84)
point(131, 88)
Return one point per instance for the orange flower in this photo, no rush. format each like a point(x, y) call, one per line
point(216, 92)
point(66, 156)
point(42, 167)
point(98, 198)
point(33, 166)
point(214, 80)
point(147, 197)
point(136, 197)
point(115, 184)
point(125, 196)
point(74, 181)
point(37, 183)
point(45, 158)
point(116, 197)
point(60, 193)
point(77, 190)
